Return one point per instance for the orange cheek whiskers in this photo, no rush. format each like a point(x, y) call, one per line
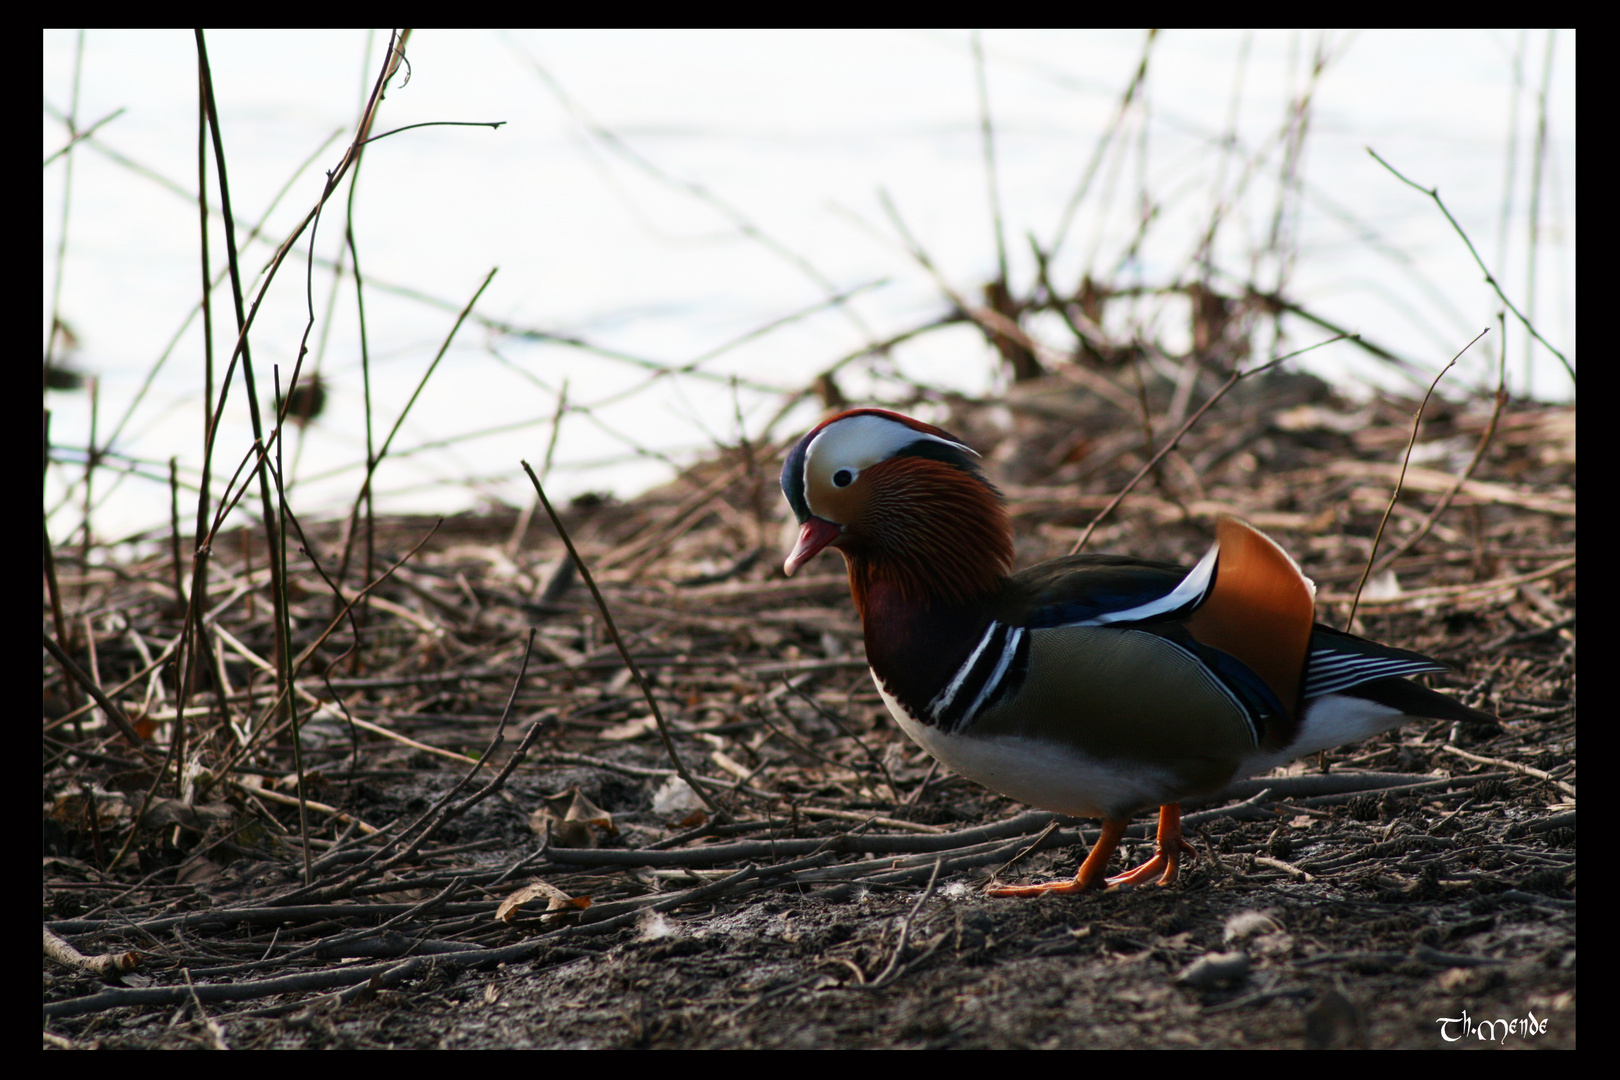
point(933, 533)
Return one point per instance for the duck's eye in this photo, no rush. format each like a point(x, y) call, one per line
point(843, 478)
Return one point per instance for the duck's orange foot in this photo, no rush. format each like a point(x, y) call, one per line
point(1166, 861)
point(1093, 872)
point(1074, 885)
point(1165, 864)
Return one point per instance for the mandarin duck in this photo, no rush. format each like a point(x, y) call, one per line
point(1093, 685)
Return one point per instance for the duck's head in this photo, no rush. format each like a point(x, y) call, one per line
point(904, 501)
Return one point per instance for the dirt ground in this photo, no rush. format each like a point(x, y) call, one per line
point(1400, 929)
point(1414, 891)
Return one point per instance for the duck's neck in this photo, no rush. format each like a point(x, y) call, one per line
point(939, 547)
point(925, 597)
point(916, 649)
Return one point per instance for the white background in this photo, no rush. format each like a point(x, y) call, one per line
point(602, 237)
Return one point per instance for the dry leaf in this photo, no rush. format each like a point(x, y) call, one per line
point(571, 815)
point(630, 729)
point(556, 901)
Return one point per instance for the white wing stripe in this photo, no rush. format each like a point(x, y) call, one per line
point(943, 700)
point(993, 683)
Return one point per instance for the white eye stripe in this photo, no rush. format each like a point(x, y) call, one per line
point(856, 443)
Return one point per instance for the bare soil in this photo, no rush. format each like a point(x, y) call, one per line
point(1363, 900)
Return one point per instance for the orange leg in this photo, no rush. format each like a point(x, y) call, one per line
point(1093, 872)
point(1169, 848)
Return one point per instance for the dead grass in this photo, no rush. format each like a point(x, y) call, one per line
point(762, 681)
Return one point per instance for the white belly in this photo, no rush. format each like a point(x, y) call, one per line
point(1048, 775)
